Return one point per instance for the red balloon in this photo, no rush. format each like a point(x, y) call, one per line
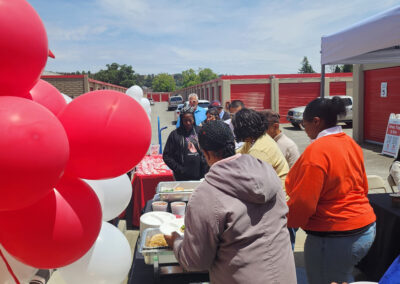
point(23, 48)
point(33, 152)
point(55, 231)
point(108, 132)
point(48, 96)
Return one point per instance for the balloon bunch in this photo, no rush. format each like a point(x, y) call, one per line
point(137, 93)
point(50, 217)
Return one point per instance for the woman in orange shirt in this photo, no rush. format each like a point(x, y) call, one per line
point(328, 188)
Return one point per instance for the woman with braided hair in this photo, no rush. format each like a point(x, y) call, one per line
point(182, 152)
point(235, 221)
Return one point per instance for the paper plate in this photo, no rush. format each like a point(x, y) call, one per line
point(173, 226)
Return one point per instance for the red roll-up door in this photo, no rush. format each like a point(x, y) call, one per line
point(377, 109)
point(148, 95)
point(337, 88)
point(212, 94)
point(294, 95)
point(156, 97)
point(207, 94)
point(255, 96)
point(164, 97)
point(220, 94)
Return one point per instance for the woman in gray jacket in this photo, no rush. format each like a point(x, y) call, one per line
point(235, 222)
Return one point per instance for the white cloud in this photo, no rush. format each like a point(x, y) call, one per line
point(231, 37)
point(81, 33)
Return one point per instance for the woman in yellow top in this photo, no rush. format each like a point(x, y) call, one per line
point(250, 128)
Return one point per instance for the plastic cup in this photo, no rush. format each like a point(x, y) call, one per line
point(154, 149)
point(178, 208)
point(159, 206)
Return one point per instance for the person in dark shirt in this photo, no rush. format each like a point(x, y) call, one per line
point(182, 152)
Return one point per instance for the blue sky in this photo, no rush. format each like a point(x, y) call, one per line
point(230, 37)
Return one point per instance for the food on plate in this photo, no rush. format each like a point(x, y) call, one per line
point(178, 188)
point(157, 240)
point(182, 229)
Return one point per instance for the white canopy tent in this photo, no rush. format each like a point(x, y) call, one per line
point(374, 40)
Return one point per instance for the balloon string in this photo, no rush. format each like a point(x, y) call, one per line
point(9, 267)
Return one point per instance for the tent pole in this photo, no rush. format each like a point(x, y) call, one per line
point(322, 90)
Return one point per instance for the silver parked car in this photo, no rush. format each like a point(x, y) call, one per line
point(174, 101)
point(295, 115)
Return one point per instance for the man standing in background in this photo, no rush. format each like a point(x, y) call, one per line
point(222, 114)
point(199, 113)
point(234, 107)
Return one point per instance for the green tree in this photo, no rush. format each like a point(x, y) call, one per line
point(178, 80)
point(306, 66)
point(207, 74)
point(337, 69)
point(148, 81)
point(122, 75)
point(347, 68)
point(190, 78)
point(163, 83)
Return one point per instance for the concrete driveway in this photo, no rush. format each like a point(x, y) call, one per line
point(375, 163)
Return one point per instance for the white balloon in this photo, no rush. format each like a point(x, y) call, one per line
point(23, 272)
point(114, 195)
point(68, 99)
point(146, 105)
point(107, 262)
point(135, 92)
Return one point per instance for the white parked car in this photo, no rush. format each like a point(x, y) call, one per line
point(295, 115)
point(202, 103)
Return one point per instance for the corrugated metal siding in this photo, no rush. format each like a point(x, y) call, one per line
point(337, 88)
point(255, 96)
point(156, 97)
point(377, 109)
point(164, 97)
point(294, 95)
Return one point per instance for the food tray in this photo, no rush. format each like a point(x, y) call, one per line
point(182, 195)
point(161, 254)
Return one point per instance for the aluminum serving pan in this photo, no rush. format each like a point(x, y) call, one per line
point(163, 254)
point(166, 192)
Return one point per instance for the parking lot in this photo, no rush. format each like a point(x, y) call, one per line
point(375, 163)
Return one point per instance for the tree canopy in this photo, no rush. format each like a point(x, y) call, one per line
point(122, 75)
point(207, 74)
point(306, 66)
point(163, 83)
point(190, 78)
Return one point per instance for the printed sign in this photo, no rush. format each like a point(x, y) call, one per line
point(383, 89)
point(392, 138)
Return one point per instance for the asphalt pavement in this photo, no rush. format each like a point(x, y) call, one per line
point(375, 163)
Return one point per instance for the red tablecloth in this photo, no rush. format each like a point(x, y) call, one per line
point(149, 172)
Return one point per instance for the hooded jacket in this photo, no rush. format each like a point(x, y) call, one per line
point(175, 151)
point(235, 225)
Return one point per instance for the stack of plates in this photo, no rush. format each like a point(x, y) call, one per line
point(155, 219)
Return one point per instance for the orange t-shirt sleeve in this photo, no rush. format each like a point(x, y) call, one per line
point(304, 189)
